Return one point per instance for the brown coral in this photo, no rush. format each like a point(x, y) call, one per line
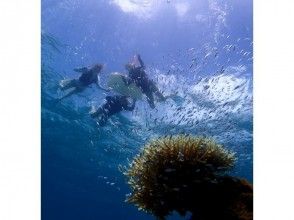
point(184, 173)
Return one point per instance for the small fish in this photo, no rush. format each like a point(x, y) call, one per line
point(237, 87)
point(206, 87)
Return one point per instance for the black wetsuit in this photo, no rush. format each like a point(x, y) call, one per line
point(140, 78)
point(148, 87)
point(113, 105)
point(88, 77)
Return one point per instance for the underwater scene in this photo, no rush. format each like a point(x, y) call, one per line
point(146, 109)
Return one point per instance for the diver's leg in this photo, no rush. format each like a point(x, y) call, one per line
point(156, 91)
point(102, 113)
point(97, 113)
point(67, 84)
point(146, 88)
point(150, 99)
point(102, 121)
point(160, 96)
point(69, 94)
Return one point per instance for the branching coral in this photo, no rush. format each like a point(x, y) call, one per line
point(184, 173)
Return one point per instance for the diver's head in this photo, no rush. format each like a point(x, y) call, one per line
point(135, 64)
point(97, 68)
point(130, 67)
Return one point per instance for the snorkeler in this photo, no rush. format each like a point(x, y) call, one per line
point(89, 76)
point(113, 105)
point(137, 74)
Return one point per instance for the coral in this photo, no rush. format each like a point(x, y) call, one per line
point(185, 173)
point(231, 199)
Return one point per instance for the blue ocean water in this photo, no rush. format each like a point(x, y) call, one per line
point(201, 50)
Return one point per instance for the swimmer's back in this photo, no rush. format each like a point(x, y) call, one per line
point(88, 78)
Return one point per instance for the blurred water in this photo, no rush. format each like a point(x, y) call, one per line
point(201, 50)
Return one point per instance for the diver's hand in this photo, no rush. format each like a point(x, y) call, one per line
point(107, 90)
point(104, 89)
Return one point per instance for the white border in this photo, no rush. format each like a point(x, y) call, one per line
point(273, 110)
point(20, 110)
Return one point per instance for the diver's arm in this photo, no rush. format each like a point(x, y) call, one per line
point(140, 61)
point(81, 70)
point(99, 86)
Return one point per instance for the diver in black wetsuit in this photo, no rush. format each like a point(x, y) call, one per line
point(113, 105)
point(137, 74)
point(89, 76)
